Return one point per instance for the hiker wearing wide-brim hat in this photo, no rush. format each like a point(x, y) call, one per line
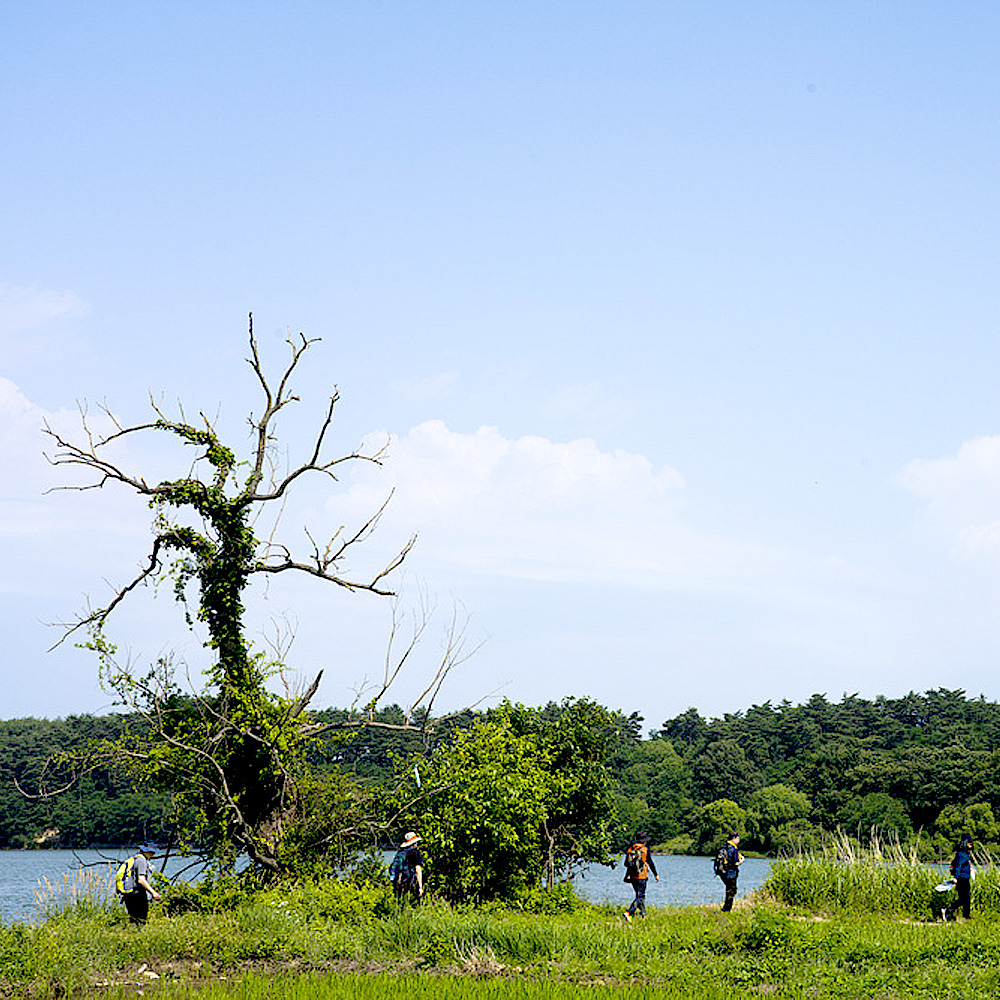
point(407, 869)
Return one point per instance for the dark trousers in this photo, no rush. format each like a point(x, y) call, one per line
point(964, 890)
point(639, 903)
point(406, 889)
point(730, 883)
point(137, 904)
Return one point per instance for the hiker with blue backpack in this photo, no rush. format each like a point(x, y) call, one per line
point(638, 865)
point(962, 873)
point(132, 883)
point(407, 869)
point(727, 867)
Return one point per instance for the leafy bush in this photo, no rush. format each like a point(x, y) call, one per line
point(768, 930)
point(976, 819)
point(339, 900)
point(560, 898)
point(714, 821)
point(482, 830)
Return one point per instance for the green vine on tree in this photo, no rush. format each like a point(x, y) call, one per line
point(232, 754)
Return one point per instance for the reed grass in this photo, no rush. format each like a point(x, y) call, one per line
point(883, 877)
point(79, 890)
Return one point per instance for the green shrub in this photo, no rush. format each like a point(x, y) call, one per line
point(560, 898)
point(768, 930)
point(339, 900)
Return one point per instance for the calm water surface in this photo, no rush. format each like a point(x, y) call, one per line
point(684, 881)
point(22, 873)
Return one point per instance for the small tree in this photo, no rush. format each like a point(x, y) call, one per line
point(771, 808)
point(714, 820)
point(517, 798)
point(483, 811)
point(876, 814)
point(232, 753)
point(574, 738)
point(976, 819)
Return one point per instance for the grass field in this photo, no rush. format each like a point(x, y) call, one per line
point(328, 941)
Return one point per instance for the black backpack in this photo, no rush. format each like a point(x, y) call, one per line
point(633, 861)
point(721, 863)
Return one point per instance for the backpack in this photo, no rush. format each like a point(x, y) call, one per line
point(400, 871)
point(634, 862)
point(721, 863)
point(124, 881)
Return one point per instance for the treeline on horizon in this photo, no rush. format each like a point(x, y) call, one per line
point(922, 768)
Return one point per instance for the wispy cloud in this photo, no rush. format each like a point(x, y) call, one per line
point(24, 308)
point(962, 493)
point(585, 398)
point(540, 509)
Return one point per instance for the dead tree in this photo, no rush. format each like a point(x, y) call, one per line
point(231, 754)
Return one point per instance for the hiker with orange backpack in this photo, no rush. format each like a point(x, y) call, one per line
point(638, 865)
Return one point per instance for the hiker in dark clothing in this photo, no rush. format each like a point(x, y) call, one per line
point(961, 870)
point(638, 865)
point(407, 869)
point(733, 861)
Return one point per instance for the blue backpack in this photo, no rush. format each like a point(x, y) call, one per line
point(400, 871)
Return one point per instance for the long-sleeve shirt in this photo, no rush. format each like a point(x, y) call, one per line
point(647, 864)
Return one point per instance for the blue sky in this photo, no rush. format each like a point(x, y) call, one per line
point(681, 318)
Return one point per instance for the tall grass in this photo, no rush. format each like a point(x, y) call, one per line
point(882, 878)
point(693, 953)
point(82, 890)
point(329, 927)
point(414, 987)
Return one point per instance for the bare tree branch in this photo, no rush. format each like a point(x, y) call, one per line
point(232, 754)
point(99, 615)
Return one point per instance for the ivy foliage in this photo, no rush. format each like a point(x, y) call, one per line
point(231, 756)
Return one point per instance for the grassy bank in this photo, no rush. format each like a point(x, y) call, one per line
point(333, 940)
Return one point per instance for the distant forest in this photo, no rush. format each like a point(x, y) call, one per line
point(923, 768)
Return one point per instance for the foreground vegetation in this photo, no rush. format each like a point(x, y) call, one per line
point(697, 952)
point(873, 936)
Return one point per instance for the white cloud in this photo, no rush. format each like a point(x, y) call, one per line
point(25, 307)
point(545, 510)
point(962, 493)
point(20, 439)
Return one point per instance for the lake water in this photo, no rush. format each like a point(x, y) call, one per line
point(684, 881)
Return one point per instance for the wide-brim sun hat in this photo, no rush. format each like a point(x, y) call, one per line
point(149, 849)
point(410, 839)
